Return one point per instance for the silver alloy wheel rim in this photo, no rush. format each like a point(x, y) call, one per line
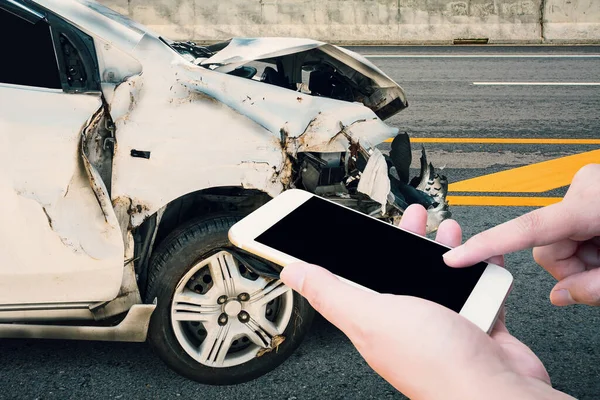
point(221, 300)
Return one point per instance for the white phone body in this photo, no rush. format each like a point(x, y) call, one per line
point(482, 306)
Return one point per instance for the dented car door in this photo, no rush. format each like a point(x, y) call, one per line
point(60, 238)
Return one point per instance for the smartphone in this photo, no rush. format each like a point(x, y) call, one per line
point(371, 254)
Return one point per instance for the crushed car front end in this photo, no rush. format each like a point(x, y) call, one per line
point(331, 141)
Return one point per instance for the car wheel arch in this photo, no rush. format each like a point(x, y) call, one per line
point(204, 203)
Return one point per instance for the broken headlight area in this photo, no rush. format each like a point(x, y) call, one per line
point(376, 184)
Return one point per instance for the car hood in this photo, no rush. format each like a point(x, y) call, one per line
point(386, 96)
point(300, 122)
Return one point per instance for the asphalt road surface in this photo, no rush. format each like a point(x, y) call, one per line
point(444, 102)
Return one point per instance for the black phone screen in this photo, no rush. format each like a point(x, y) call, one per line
point(373, 254)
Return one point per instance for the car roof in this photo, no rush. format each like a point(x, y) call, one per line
point(99, 20)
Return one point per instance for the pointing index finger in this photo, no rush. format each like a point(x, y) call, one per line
point(537, 228)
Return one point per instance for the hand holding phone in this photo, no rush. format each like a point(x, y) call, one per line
point(371, 254)
point(422, 349)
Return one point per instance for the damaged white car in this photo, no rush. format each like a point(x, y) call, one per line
point(126, 157)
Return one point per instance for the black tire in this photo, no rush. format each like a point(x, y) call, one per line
point(179, 252)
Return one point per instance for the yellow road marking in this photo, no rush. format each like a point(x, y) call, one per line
point(502, 201)
point(502, 141)
point(534, 178)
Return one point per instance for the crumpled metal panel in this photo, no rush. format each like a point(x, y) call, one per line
point(58, 243)
point(241, 51)
point(288, 113)
point(206, 129)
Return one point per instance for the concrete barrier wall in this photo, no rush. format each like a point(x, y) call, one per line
point(371, 21)
point(572, 21)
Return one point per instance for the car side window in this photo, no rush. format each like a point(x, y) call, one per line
point(28, 53)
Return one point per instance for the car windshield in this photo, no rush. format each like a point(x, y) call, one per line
point(115, 16)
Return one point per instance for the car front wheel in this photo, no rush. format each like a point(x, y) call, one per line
point(216, 321)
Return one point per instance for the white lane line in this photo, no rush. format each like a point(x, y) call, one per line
point(482, 55)
point(537, 83)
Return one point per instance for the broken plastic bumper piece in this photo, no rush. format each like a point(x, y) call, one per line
point(380, 181)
